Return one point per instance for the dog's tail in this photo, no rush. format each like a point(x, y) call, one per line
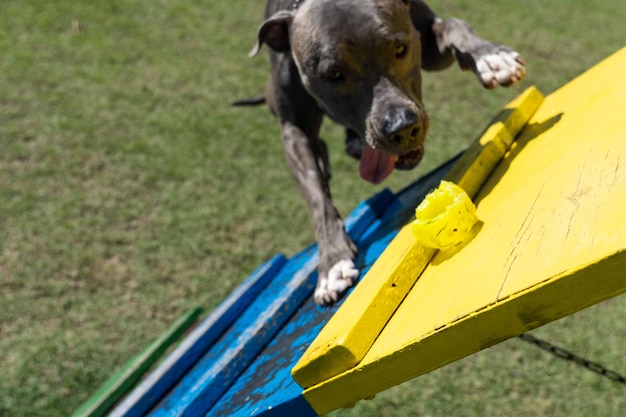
point(253, 101)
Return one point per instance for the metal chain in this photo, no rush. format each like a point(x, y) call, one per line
point(571, 357)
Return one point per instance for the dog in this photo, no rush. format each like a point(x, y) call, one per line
point(359, 62)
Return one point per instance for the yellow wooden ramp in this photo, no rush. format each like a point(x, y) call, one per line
point(552, 241)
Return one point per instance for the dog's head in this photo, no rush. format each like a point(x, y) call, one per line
point(361, 60)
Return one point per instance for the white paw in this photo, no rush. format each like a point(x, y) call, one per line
point(341, 276)
point(501, 68)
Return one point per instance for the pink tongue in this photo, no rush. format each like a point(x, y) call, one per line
point(375, 165)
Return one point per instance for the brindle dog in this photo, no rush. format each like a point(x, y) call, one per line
point(359, 62)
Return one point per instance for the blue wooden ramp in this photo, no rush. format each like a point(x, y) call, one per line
point(238, 360)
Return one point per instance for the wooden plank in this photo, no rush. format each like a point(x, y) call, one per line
point(553, 241)
point(485, 153)
point(367, 212)
point(123, 380)
point(167, 374)
point(222, 365)
point(339, 346)
point(266, 388)
point(470, 334)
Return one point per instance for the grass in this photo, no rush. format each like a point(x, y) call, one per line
point(131, 191)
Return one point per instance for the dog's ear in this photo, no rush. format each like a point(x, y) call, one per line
point(407, 3)
point(275, 32)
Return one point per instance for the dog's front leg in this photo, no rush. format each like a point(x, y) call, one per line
point(446, 40)
point(492, 63)
point(336, 269)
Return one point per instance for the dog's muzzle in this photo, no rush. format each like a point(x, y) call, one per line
point(410, 159)
point(402, 130)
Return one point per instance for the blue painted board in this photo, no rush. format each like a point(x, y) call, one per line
point(223, 363)
point(266, 388)
point(204, 384)
point(177, 363)
point(367, 212)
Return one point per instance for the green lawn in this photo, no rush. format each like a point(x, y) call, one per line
point(130, 191)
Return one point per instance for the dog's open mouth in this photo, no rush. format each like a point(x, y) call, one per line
point(377, 165)
point(410, 159)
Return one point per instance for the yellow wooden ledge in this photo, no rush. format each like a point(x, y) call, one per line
point(553, 241)
point(346, 338)
point(479, 160)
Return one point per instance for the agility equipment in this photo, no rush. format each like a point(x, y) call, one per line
point(548, 177)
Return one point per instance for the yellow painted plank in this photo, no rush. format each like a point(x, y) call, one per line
point(478, 161)
point(470, 334)
point(347, 337)
point(553, 241)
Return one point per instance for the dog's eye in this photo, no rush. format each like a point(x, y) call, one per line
point(401, 50)
point(334, 75)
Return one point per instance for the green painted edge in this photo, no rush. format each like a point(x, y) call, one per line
point(125, 378)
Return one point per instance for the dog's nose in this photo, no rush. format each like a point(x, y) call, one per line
point(402, 129)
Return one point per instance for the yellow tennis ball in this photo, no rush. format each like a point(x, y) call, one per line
point(445, 217)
